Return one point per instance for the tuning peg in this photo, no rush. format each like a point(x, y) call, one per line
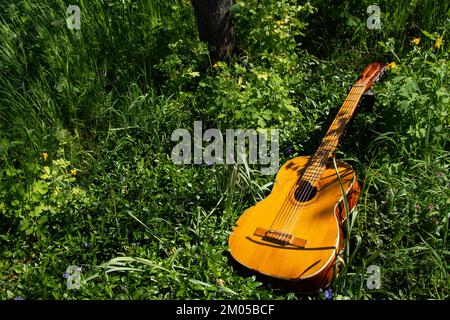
point(383, 74)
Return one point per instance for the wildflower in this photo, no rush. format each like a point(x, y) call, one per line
point(430, 207)
point(18, 298)
point(417, 206)
point(73, 172)
point(328, 294)
point(220, 282)
point(44, 155)
point(209, 162)
point(216, 65)
point(288, 151)
point(65, 275)
point(279, 22)
point(392, 65)
point(415, 41)
point(438, 43)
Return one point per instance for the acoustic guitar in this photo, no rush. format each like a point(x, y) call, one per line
point(296, 233)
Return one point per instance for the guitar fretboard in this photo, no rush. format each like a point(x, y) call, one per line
point(330, 142)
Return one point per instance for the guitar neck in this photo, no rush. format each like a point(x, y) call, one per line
point(330, 142)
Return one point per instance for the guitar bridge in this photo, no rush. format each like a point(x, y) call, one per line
point(280, 238)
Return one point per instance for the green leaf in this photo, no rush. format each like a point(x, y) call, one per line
point(194, 74)
point(236, 8)
point(42, 220)
point(267, 114)
point(40, 187)
point(201, 283)
point(428, 35)
point(38, 210)
point(261, 123)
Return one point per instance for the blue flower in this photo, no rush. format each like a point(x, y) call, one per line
point(18, 298)
point(328, 294)
point(65, 275)
point(209, 163)
point(288, 151)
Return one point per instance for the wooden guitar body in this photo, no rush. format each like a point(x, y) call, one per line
point(314, 227)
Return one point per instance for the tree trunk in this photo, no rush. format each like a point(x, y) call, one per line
point(215, 26)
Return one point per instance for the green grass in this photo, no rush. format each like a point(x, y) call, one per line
point(105, 102)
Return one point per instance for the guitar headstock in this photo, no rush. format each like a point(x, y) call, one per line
point(371, 75)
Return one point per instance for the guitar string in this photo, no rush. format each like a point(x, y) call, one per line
point(295, 212)
point(285, 213)
point(279, 218)
point(360, 89)
point(287, 216)
point(350, 109)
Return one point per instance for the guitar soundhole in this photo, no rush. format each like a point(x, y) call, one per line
point(305, 191)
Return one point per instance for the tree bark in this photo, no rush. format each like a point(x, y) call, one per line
point(215, 26)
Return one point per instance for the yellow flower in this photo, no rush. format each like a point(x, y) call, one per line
point(279, 22)
point(392, 65)
point(44, 155)
point(438, 43)
point(415, 41)
point(73, 172)
point(216, 65)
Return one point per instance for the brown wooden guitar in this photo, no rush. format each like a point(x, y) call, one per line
point(296, 233)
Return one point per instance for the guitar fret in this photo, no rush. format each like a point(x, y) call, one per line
point(317, 164)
